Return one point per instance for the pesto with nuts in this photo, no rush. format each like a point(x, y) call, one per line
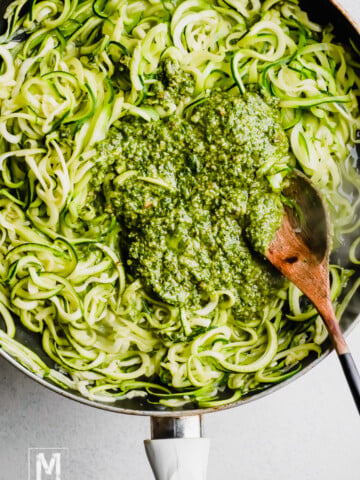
point(195, 210)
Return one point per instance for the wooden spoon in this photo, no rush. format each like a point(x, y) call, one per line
point(300, 250)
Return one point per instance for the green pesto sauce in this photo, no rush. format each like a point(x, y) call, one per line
point(192, 206)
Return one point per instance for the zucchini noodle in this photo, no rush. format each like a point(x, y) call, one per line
point(72, 69)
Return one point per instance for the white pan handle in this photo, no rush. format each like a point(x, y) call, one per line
point(177, 451)
point(178, 458)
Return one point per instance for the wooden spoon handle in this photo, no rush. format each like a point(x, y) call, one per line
point(347, 362)
point(352, 376)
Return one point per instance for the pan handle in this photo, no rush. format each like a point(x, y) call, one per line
point(177, 450)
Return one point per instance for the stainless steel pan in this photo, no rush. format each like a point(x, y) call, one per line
point(177, 450)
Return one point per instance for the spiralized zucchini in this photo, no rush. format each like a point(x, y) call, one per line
point(62, 86)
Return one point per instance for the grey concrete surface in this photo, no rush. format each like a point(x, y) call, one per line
point(307, 431)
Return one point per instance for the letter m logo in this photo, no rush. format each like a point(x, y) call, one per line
point(48, 467)
point(48, 463)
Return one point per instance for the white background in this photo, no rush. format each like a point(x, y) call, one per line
point(308, 431)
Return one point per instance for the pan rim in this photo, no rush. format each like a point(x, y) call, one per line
point(173, 413)
point(111, 407)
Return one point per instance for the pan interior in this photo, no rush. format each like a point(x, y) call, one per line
point(323, 12)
